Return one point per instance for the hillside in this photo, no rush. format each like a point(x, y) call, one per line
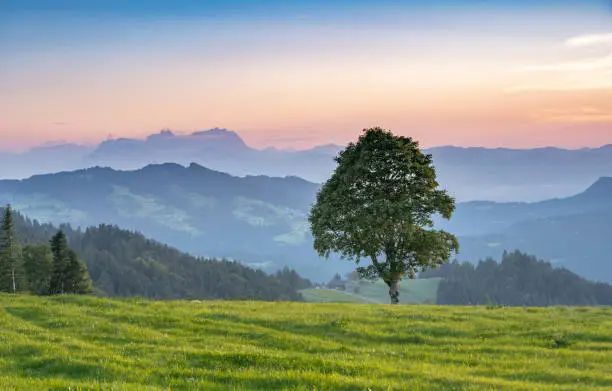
point(123, 263)
point(262, 220)
point(571, 232)
point(495, 174)
point(517, 279)
point(91, 343)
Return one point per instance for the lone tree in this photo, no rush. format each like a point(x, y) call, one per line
point(378, 205)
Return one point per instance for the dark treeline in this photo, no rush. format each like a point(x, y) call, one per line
point(123, 263)
point(518, 280)
point(50, 268)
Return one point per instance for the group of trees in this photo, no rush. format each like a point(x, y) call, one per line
point(122, 263)
point(44, 269)
point(518, 280)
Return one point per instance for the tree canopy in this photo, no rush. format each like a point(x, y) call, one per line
point(378, 205)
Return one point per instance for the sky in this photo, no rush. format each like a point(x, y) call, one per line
point(509, 73)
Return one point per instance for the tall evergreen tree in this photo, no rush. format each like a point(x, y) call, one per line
point(60, 251)
point(11, 268)
point(68, 274)
point(38, 264)
point(76, 277)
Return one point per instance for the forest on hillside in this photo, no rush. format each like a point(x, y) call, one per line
point(518, 280)
point(123, 263)
point(51, 268)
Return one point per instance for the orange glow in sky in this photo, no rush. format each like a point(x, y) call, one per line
point(499, 84)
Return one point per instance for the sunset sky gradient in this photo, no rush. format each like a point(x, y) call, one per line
point(304, 73)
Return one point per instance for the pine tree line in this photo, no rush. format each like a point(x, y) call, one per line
point(518, 280)
point(42, 269)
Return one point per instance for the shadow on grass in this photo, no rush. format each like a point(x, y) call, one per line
point(338, 330)
point(559, 379)
point(44, 367)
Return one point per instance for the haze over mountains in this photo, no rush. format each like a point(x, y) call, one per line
point(469, 173)
point(262, 221)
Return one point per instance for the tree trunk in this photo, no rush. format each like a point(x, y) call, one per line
point(394, 291)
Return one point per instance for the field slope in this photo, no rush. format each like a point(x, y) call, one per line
point(87, 343)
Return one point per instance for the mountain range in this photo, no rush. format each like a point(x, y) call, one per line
point(261, 220)
point(469, 174)
point(573, 232)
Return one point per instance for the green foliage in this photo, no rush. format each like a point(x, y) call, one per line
point(77, 278)
point(11, 263)
point(124, 263)
point(38, 265)
point(42, 269)
point(518, 280)
point(60, 251)
point(89, 343)
point(68, 274)
point(378, 205)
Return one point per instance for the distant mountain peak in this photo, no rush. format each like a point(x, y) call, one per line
point(215, 132)
point(163, 134)
point(601, 188)
point(163, 166)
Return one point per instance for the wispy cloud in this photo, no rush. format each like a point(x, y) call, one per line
point(588, 73)
point(561, 86)
point(579, 115)
point(584, 65)
point(589, 40)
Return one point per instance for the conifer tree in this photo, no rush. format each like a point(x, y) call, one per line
point(38, 263)
point(11, 268)
point(76, 277)
point(60, 251)
point(68, 274)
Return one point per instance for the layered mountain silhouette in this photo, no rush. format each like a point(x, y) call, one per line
point(573, 232)
point(257, 219)
point(469, 173)
point(261, 220)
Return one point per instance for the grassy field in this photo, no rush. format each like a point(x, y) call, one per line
point(411, 292)
point(87, 343)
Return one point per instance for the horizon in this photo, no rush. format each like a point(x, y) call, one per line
point(516, 75)
point(179, 134)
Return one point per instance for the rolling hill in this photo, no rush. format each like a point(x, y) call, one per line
point(262, 220)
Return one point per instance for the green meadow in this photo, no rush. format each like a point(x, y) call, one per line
point(88, 343)
point(419, 291)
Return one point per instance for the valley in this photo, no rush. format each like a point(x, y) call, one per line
point(261, 220)
point(305, 195)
